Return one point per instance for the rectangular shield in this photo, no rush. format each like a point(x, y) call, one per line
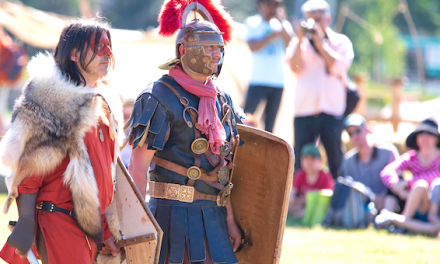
point(141, 234)
point(262, 181)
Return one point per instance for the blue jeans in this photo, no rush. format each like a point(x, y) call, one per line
point(273, 98)
point(329, 128)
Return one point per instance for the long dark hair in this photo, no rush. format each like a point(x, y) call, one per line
point(76, 37)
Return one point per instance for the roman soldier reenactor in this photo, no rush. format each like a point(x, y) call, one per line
point(184, 126)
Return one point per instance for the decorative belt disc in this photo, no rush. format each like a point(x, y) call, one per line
point(194, 173)
point(199, 146)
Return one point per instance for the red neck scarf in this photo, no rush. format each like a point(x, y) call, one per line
point(208, 122)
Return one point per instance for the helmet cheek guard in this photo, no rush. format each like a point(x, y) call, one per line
point(196, 61)
point(220, 64)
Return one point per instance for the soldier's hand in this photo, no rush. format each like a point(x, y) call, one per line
point(235, 234)
point(109, 247)
point(18, 252)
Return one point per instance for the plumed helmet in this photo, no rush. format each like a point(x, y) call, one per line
point(215, 30)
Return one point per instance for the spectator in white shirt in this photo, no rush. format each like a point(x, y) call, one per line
point(268, 35)
point(320, 59)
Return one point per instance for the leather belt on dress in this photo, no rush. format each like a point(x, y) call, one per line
point(181, 193)
point(50, 207)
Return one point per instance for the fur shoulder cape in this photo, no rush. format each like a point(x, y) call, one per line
point(49, 122)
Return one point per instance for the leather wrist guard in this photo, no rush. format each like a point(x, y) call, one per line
point(22, 236)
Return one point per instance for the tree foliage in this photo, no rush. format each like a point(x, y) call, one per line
point(426, 16)
point(378, 49)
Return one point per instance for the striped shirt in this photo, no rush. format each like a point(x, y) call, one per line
point(410, 161)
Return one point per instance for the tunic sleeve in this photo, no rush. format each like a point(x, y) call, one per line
point(150, 122)
point(31, 185)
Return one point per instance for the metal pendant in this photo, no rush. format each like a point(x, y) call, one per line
point(199, 146)
point(101, 136)
point(223, 175)
point(222, 197)
point(224, 149)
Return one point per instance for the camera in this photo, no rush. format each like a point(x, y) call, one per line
point(309, 26)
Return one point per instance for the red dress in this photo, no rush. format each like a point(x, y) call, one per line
point(65, 242)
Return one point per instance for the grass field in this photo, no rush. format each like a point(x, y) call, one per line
point(318, 245)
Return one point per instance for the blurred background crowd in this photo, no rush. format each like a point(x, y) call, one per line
point(289, 69)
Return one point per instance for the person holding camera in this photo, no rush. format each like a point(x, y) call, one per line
point(268, 34)
point(320, 58)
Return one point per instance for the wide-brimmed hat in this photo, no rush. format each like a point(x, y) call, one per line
point(428, 125)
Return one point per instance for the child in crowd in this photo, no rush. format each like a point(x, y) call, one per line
point(430, 225)
point(310, 178)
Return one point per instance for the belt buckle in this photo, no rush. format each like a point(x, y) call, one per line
point(186, 194)
point(172, 191)
point(157, 189)
point(40, 206)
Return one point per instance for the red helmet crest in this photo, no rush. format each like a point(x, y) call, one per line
point(172, 11)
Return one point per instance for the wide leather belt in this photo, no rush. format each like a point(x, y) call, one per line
point(181, 193)
point(50, 207)
point(182, 170)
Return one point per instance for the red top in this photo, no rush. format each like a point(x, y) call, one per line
point(65, 242)
point(324, 181)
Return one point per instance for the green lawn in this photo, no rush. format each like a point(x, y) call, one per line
point(318, 245)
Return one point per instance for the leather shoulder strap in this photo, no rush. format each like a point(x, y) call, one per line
point(183, 100)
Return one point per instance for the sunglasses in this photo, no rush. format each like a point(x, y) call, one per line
point(355, 132)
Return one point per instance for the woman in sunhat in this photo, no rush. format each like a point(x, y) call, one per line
point(423, 161)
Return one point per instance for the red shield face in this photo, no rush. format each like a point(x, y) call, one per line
point(103, 45)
